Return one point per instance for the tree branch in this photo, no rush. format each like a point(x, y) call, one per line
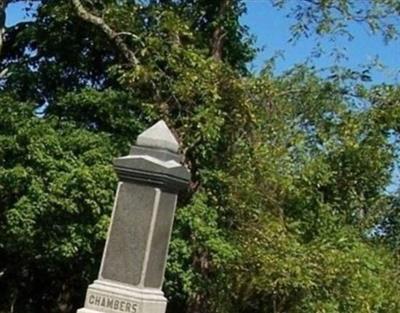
point(114, 36)
point(128, 34)
point(219, 32)
point(3, 73)
point(3, 5)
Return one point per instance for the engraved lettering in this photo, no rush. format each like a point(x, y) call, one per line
point(122, 306)
point(91, 299)
point(110, 302)
point(116, 304)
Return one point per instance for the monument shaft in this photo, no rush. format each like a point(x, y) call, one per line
point(134, 258)
point(152, 220)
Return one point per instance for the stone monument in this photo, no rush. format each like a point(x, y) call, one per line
point(134, 257)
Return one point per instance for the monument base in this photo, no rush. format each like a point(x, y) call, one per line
point(105, 296)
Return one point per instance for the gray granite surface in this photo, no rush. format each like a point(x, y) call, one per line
point(135, 254)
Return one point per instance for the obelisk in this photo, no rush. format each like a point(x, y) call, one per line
point(134, 257)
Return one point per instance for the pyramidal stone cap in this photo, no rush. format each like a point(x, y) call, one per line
point(154, 160)
point(158, 136)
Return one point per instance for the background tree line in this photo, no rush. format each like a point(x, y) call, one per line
point(287, 209)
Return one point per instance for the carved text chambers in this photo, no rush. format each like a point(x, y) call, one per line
point(111, 303)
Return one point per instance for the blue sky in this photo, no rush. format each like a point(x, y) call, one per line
point(271, 28)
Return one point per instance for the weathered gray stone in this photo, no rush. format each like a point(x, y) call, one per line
point(146, 169)
point(134, 258)
point(158, 136)
point(124, 254)
point(161, 154)
point(159, 247)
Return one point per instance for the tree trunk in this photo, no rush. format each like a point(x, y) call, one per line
point(217, 40)
point(3, 6)
point(198, 302)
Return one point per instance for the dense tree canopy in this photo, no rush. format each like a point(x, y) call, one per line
point(287, 210)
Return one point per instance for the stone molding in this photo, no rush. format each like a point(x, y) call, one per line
point(148, 170)
point(110, 297)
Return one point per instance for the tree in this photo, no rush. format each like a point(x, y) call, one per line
point(285, 197)
point(56, 191)
point(323, 17)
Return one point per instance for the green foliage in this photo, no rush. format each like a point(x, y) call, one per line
point(56, 192)
point(287, 209)
point(303, 197)
point(334, 17)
